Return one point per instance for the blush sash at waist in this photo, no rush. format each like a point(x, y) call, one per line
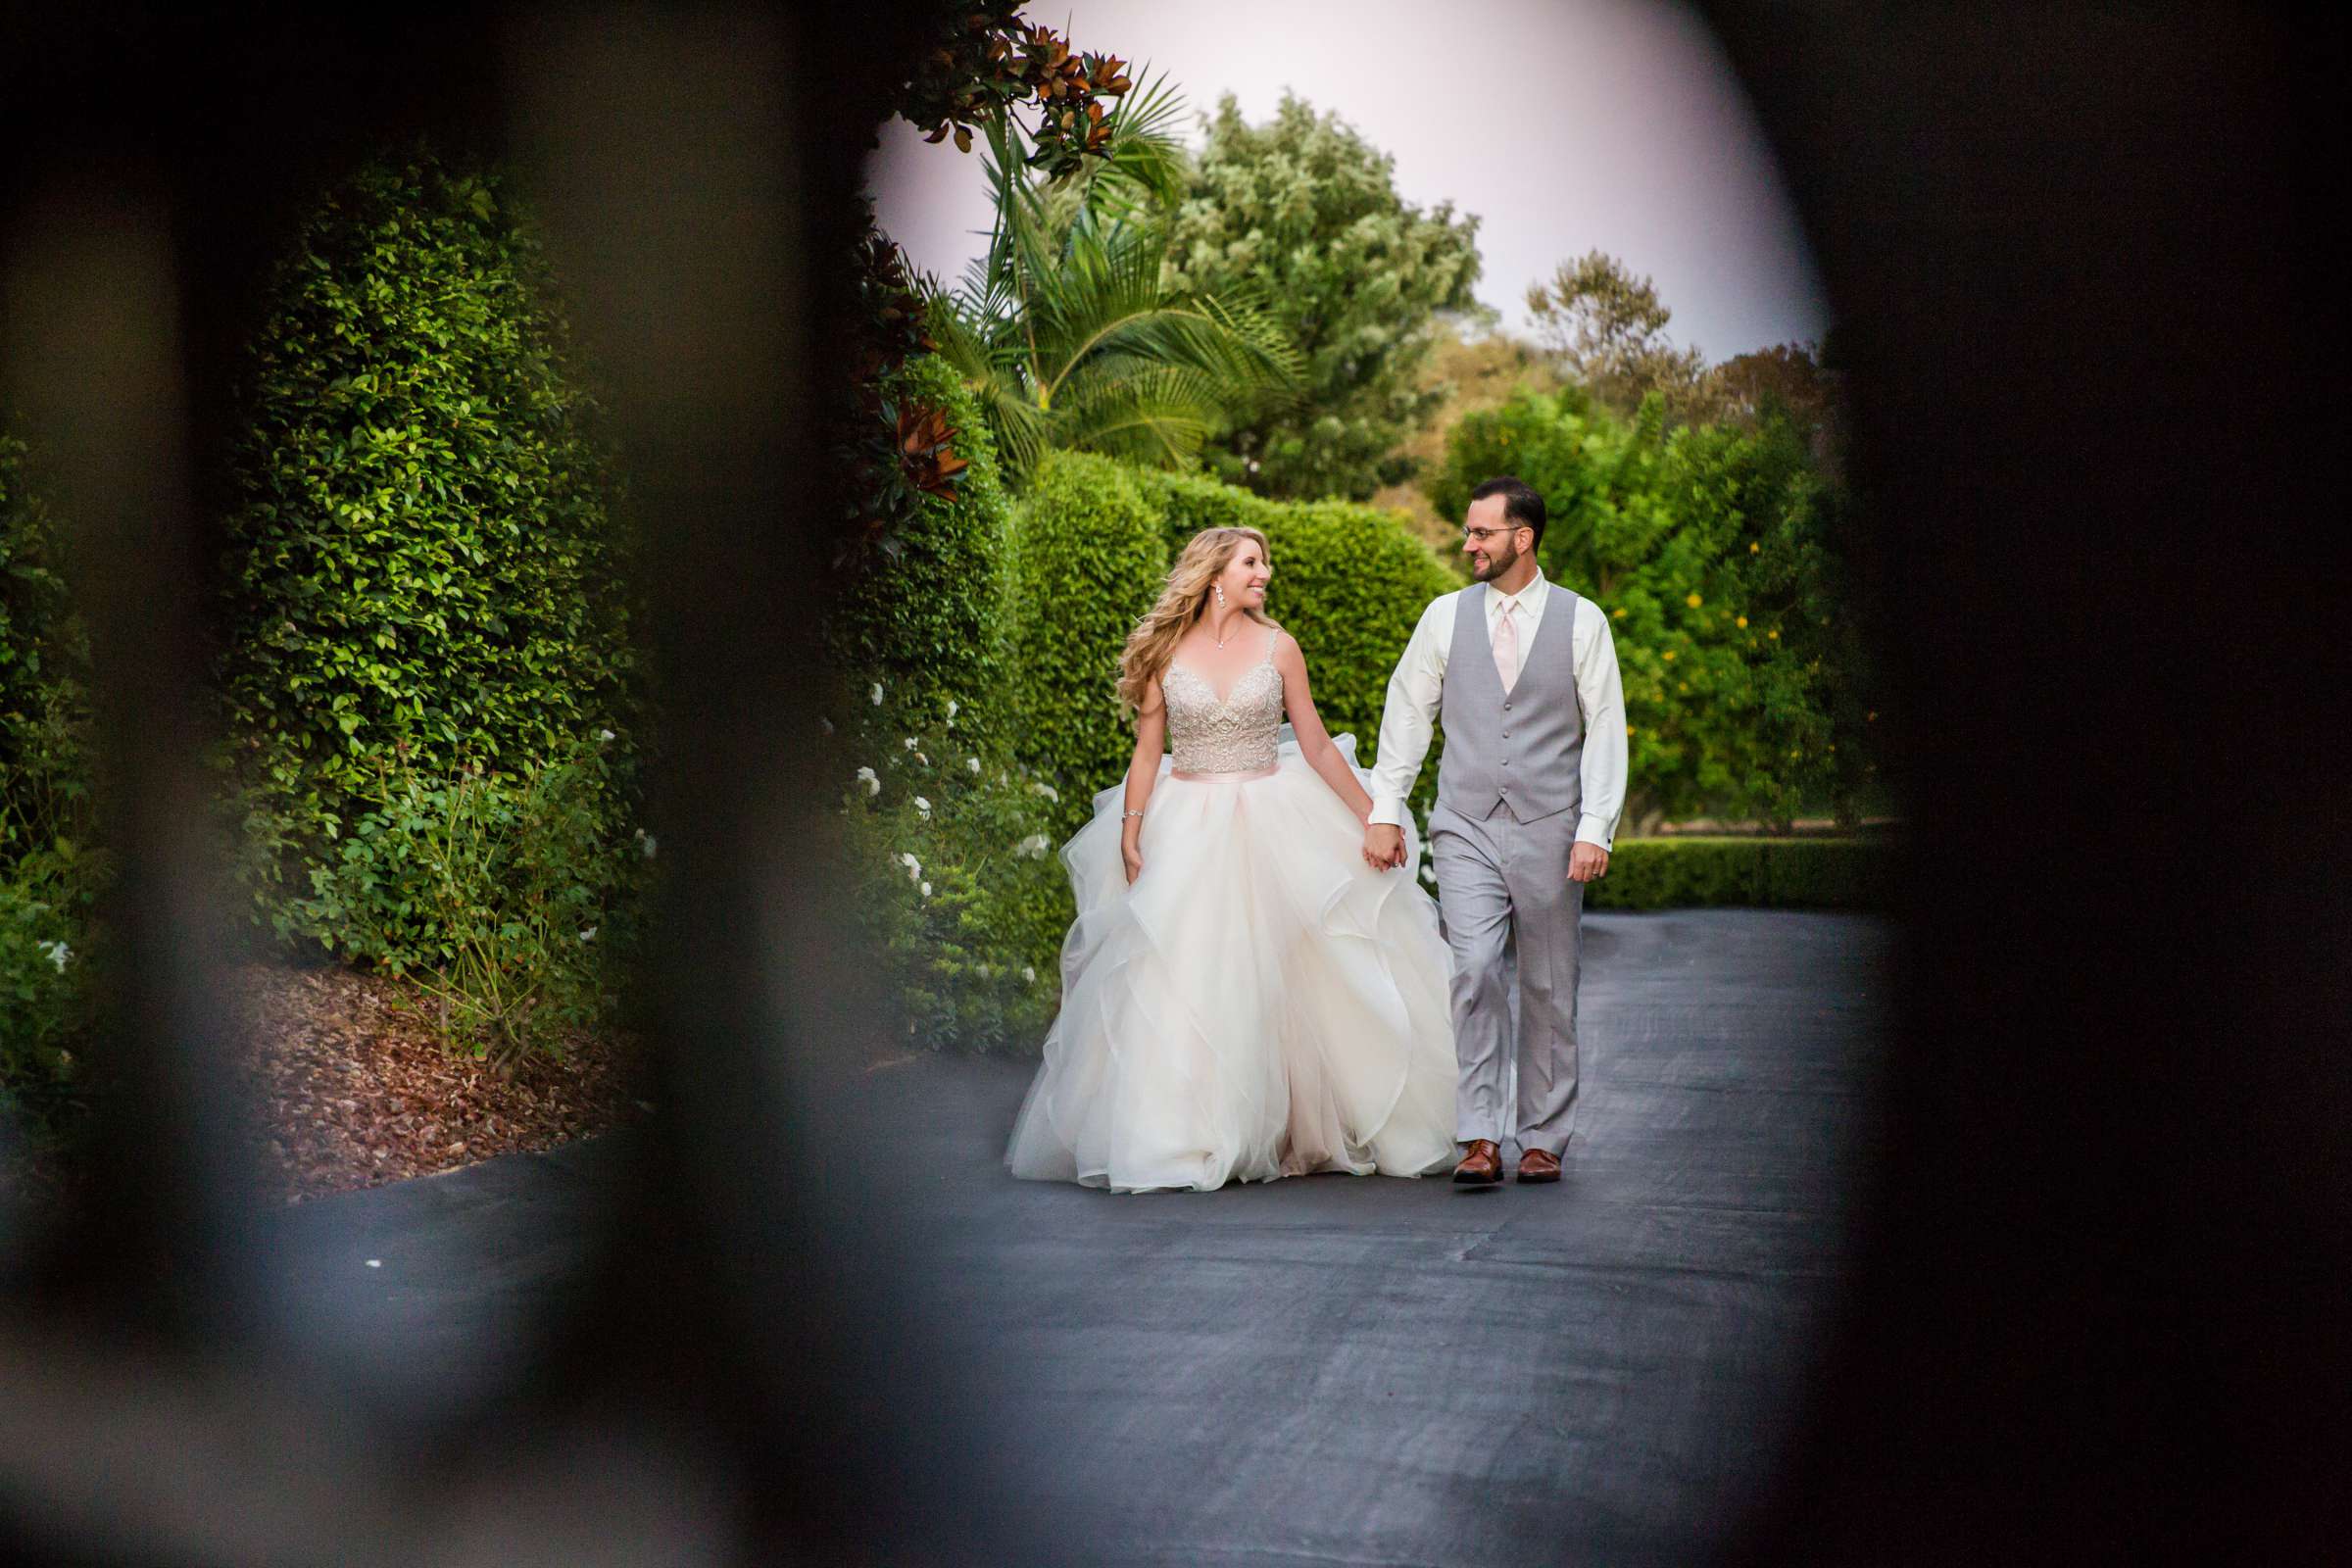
point(1242, 777)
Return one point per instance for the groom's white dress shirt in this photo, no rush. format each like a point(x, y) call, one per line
point(1414, 690)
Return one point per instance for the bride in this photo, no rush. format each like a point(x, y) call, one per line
point(1244, 996)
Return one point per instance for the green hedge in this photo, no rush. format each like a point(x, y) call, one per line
point(51, 876)
point(44, 665)
point(420, 560)
point(930, 624)
point(1090, 560)
point(1188, 503)
point(1669, 873)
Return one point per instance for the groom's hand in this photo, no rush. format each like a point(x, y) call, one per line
point(1384, 845)
point(1587, 862)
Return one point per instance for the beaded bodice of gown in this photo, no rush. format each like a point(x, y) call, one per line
point(1235, 734)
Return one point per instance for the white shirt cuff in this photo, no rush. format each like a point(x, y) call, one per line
point(1591, 830)
point(1391, 812)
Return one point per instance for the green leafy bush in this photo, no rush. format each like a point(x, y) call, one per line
point(1188, 503)
point(420, 552)
point(51, 876)
point(1090, 560)
point(44, 666)
point(1670, 873)
point(503, 896)
point(928, 618)
point(956, 880)
point(46, 996)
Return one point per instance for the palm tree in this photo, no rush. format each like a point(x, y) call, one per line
point(1063, 329)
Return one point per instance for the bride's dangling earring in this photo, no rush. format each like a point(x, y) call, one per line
point(1218, 589)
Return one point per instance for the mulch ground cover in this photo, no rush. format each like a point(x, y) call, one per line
point(346, 1085)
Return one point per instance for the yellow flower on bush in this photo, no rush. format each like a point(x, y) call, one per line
point(1755, 548)
point(1695, 600)
point(1628, 729)
point(1743, 622)
point(1668, 655)
point(1774, 634)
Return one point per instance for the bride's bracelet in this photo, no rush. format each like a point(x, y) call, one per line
point(1135, 813)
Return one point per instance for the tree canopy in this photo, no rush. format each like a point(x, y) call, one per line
point(1305, 213)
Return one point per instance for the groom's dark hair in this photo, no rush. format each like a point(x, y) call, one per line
point(1522, 508)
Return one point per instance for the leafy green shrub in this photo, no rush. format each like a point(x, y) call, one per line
point(955, 877)
point(51, 876)
point(420, 554)
point(1670, 873)
point(501, 894)
point(46, 996)
point(928, 618)
point(1188, 503)
point(44, 665)
point(1090, 560)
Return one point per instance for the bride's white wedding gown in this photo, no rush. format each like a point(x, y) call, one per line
point(1260, 1003)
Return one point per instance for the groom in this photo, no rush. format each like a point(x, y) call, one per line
point(1524, 674)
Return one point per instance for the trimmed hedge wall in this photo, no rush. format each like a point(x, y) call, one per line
point(1091, 558)
point(1670, 873)
point(931, 623)
point(421, 564)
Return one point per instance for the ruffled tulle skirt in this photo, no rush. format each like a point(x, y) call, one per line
point(1260, 1003)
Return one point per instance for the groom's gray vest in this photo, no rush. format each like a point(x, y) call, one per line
point(1525, 748)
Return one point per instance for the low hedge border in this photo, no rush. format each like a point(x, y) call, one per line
point(1673, 873)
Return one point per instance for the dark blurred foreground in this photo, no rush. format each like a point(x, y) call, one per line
point(2095, 1306)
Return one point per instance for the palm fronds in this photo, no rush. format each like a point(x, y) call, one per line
point(1065, 329)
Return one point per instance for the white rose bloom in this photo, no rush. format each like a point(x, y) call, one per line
point(1029, 973)
point(926, 890)
point(872, 781)
point(910, 743)
point(58, 952)
point(922, 808)
point(1031, 847)
point(876, 694)
point(1047, 789)
point(589, 935)
point(914, 867)
point(972, 763)
point(604, 734)
point(951, 706)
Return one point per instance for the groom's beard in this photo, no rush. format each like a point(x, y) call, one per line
point(1495, 566)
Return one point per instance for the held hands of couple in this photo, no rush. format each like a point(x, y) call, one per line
point(1384, 846)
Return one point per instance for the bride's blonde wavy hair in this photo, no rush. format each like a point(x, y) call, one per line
point(1182, 601)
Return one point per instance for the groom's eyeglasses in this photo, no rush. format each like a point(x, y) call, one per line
point(1482, 535)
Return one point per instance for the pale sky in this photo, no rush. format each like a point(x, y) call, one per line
point(1565, 124)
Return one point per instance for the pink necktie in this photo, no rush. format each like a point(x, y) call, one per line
point(1507, 647)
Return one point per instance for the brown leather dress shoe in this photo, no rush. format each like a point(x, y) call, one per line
point(1536, 1165)
point(1481, 1164)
